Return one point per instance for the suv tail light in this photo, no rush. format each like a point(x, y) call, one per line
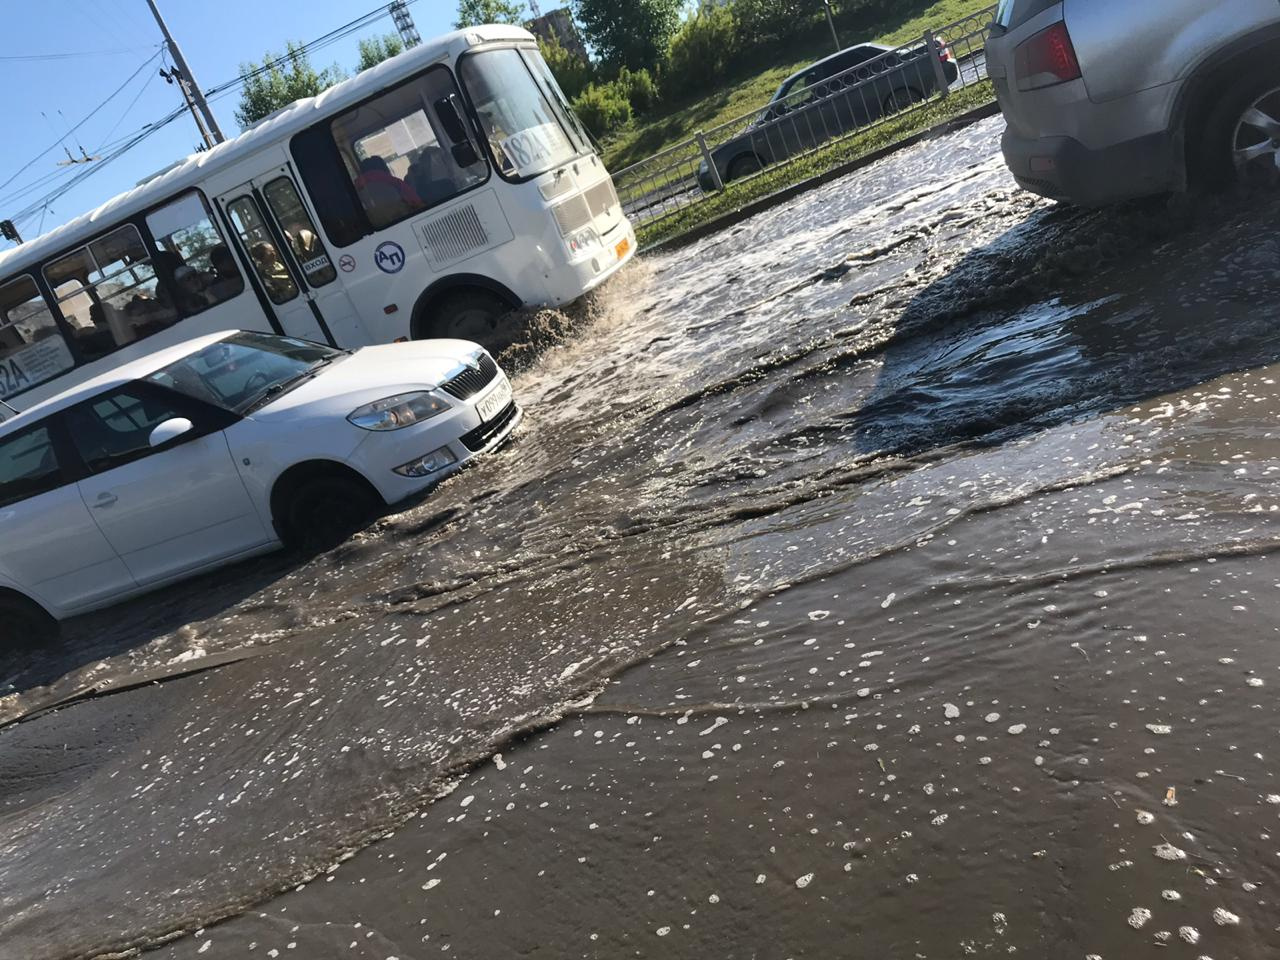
point(1046, 59)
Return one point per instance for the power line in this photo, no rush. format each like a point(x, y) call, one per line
point(53, 146)
point(112, 152)
point(35, 57)
point(132, 103)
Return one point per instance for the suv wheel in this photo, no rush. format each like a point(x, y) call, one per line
point(322, 510)
point(24, 623)
point(1240, 138)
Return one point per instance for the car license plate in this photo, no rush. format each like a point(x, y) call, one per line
point(495, 401)
point(623, 246)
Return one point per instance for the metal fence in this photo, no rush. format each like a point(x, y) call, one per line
point(837, 98)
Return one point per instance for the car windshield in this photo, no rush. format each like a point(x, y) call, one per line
point(524, 131)
point(245, 370)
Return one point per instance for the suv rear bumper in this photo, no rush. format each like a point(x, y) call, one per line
point(1064, 169)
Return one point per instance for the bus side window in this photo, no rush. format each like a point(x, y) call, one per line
point(203, 270)
point(32, 349)
point(109, 293)
point(397, 153)
point(329, 187)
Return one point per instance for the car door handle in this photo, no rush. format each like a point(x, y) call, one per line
point(105, 500)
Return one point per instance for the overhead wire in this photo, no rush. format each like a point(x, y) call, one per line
point(36, 57)
point(87, 117)
point(124, 144)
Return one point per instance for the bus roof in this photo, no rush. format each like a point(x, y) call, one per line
point(284, 123)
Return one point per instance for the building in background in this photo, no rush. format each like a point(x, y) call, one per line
point(558, 25)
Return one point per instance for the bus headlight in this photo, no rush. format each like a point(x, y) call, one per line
point(398, 412)
point(582, 241)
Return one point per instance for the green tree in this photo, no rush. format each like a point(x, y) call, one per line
point(571, 71)
point(472, 13)
point(373, 50)
point(629, 33)
point(702, 53)
point(772, 20)
point(280, 80)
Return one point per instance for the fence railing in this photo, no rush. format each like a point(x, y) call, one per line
point(837, 98)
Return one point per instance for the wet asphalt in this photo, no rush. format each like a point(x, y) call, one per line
point(891, 575)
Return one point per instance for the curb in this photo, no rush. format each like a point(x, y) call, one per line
point(786, 193)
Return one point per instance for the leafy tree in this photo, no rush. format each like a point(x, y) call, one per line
point(472, 13)
point(570, 70)
point(373, 50)
point(629, 33)
point(279, 81)
point(602, 109)
point(702, 52)
point(775, 19)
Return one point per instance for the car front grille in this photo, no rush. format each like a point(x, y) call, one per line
point(471, 380)
point(483, 435)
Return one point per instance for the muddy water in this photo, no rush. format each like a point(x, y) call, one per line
point(889, 576)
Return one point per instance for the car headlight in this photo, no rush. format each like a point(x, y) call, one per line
point(582, 241)
point(398, 412)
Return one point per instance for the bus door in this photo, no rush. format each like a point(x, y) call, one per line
point(278, 238)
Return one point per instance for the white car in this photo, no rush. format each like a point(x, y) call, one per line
point(221, 448)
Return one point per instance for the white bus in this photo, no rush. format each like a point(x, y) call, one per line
point(425, 197)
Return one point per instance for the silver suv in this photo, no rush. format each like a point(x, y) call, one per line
point(1111, 99)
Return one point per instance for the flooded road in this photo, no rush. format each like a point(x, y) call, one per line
point(892, 575)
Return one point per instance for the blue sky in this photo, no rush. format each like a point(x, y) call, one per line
point(100, 43)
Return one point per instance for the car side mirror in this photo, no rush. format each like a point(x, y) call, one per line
point(168, 430)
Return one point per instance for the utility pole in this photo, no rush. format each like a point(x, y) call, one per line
point(831, 22)
point(175, 76)
point(191, 91)
point(403, 20)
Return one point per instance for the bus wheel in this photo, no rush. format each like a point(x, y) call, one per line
point(474, 314)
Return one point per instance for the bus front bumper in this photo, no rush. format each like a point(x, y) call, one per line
point(581, 276)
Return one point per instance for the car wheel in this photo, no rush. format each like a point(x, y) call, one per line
point(743, 166)
point(901, 99)
point(24, 623)
point(324, 509)
point(1240, 138)
point(475, 315)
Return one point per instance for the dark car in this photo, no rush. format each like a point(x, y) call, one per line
point(847, 90)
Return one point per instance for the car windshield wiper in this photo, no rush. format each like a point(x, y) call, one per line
point(271, 391)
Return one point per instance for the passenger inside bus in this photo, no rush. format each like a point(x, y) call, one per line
point(383, 193)
point(188, 283)
point(224, 281)
point(429, 176)
point(274, 274)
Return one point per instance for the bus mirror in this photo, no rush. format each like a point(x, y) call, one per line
point(464, 154)
point(448, 109)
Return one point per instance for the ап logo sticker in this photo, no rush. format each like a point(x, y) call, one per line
point(389, 257)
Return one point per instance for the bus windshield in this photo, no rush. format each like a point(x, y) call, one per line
point(525, 134)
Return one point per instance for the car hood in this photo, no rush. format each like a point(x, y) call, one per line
point(372, 373)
